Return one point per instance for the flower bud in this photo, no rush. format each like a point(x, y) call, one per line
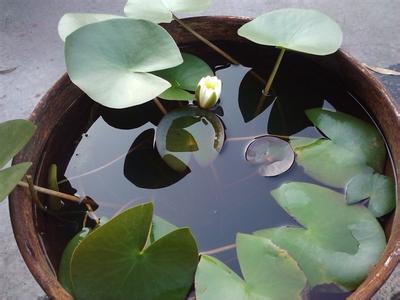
point(208, 91)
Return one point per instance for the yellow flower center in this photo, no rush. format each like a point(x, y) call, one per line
point(210, 84)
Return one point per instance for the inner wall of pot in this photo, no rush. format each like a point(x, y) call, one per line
point(81, 115)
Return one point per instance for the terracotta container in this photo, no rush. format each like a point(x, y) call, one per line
point(65, 108)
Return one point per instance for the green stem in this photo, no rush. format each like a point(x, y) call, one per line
point(273, 73)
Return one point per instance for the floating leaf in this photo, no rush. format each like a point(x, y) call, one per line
point(65, 263)
point(351, 133)
point(113, 263)
point(188, 132)
point(160, 228)
point(378, 188)
point(160, 11)
point(338, 244)
point(273, 155)
point(111, 60)
point(154, 172)
point(302, 30)
point(184, 77)
point(269, 273)
point(326, 162)
point(71, 22)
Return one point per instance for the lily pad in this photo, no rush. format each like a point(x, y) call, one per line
point(380, 190)
point(269, 273)
point(303, 30)
point(273, 155)
point(160, 11)
point(338, 244)
point(113, 263)
point(189, 132)
point(71, 22)
point(14, 135)
point(351, 133)
point(111, 61)
point(154, 172)
point(184, 77)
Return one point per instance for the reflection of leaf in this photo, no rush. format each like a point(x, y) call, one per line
point(180, 140)
point(111, 60)
point(145, 168)
point(269, 273)
point(378, 188)
point(14, 135)
point(272, 155)
point(353, 134)
point(339, 242)
point(160, 11)
point(188, 132)
point(113, 263)
point(184, 77)
point(303, 30)
point(250, 92)
point(71, 22)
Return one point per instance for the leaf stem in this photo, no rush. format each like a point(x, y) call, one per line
point(252, 137)
point(43, 190)
point(273, 73)
point(219, 249)
point(160, 106)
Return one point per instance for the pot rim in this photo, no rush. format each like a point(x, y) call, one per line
point(22, 211)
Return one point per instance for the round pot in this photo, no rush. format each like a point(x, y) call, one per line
point(66, 107)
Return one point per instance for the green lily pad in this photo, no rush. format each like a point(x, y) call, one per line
point(269, 273)
point(113, 263)
point(380, 190)
point(302, 30)
point(184, 77)
point(160, 11)
point(14, 135)
point(351, 133)
point(71, 22)
point(111, 61)
point(160, 228)
point(189, 132)
point(155, 171)
point(338, 244)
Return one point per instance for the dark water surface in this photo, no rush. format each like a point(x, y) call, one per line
point(227, 196)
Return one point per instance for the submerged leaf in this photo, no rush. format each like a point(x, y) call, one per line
point(184, 77)
point(378, 188)
point(160, 11)
point(338, 244)
point(154, 172)
point(71, 22)
point(303, 30)
point(269, 273)
point(273, 155)
point(113, 263)
point(188, 132)
point(111, 61)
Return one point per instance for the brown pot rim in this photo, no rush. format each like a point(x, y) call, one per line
point(23, 214)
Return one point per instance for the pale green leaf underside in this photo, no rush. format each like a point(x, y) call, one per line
point(269, 273)
point(380, 190)
point(339, 243)
point(14, 135)
point(113, 263)
point(110, 61)
point(302, 30)
point(71, 22)
point(160, 11)
point(10, 177)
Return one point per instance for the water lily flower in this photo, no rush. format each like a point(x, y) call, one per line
point(208, 91)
